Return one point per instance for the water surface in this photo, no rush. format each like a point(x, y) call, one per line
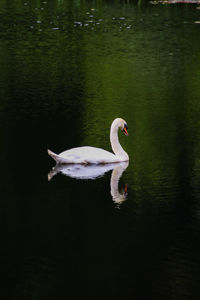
point(68, 68)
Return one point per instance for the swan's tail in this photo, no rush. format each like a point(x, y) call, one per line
point(53, 155)
point(59, 159)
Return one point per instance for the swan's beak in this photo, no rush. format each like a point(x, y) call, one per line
point(125, 131)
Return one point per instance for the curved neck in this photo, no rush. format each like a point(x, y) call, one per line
point(116, 147)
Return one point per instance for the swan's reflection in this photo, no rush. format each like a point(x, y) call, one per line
point(117, 172)
point(94, 171)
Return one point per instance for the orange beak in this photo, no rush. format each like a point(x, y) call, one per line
point(125, 131)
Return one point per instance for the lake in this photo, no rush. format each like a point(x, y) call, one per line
point(68, 69)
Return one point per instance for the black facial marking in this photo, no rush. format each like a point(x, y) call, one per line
point(125, 126)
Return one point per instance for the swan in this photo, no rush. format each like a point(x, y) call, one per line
point(93, 155)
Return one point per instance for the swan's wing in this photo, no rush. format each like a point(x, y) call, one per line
point(88, 155)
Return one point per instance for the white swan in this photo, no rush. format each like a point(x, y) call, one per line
point(93, 155)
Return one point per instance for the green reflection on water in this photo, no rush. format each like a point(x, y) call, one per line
point(64, 60)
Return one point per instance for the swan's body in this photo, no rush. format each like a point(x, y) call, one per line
point(93, 155)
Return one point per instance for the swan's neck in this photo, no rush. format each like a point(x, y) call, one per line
point(116, 147)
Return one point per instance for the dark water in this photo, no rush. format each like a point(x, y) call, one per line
point(68, 68)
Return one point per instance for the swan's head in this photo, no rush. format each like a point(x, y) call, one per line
point(123, 125)
point(120, 123)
